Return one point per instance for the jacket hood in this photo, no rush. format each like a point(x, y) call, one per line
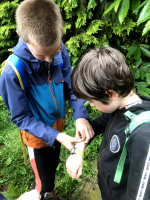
point(21, 50)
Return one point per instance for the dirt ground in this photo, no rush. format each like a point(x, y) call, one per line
point(89, 189)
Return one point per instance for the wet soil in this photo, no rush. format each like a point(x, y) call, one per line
point(89, 189)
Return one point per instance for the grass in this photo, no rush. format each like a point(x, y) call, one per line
point(16, 178)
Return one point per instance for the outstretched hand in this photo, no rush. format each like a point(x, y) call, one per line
point(67, 140)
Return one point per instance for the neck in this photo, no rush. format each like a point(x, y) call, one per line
point(131, 98)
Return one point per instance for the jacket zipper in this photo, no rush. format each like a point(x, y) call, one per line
point(107, 137)
point(55, 101)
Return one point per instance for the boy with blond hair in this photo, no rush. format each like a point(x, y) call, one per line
point(40, 113)
point(103, 78)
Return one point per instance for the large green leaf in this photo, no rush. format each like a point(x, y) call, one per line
point(137, 53)
point(117, 5)
point(109, 8)
point(123, 10)
point(135, 5)
point(132, 50)
point(141, 84)
point(142, 92)
point(145, 66)
point(139, 61)
point(146, 28)
point(137, 74)
point(142, 4)
point(145, 51)
point(145, 46)
point(145, 14)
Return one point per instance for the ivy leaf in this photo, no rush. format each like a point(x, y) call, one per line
point(145, 14)
point(123, 10)
point(109, 8)
point(117, 5)
point(148, 78)
point(146, 28)
point(145, 51)
point(90, 4)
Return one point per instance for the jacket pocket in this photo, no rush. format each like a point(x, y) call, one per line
point(103, 182)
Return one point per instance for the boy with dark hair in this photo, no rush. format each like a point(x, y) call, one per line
point(103, 78)
point(40, 114)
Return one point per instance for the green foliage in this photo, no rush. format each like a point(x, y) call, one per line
point(123, 11)
point(136, 55)
point(8, 36)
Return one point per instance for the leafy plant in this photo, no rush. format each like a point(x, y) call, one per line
point(136, 6)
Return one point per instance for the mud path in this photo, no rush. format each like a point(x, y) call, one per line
point(89, 189)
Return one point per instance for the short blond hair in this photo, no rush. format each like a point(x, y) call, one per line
point(39, 23)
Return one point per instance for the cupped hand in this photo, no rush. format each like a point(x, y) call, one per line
point(74, 165)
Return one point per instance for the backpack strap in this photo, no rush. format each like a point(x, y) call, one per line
point(136, 121)
point(20, 71)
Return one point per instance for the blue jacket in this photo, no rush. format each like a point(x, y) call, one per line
point(37, 113)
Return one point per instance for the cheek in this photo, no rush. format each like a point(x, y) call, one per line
point(104, 108)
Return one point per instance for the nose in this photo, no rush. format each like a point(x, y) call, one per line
point(48, 59)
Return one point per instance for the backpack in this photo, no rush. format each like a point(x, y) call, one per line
point(135, 122)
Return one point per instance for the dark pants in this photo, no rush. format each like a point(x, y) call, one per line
point(44, 162)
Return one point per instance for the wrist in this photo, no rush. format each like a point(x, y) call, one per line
point(74, 150)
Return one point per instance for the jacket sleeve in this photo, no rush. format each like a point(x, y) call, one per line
point(79, 110)
point(16, 101)
point(99, 125)
point(138, 147)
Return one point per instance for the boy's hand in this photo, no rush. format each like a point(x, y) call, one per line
point(67, 140)
point(74, 165)
point(84, 130)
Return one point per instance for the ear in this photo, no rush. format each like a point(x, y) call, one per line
point(113, 95)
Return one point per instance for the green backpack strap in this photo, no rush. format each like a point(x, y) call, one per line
point(136, 120)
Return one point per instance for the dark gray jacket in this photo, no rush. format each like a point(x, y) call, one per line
point(135, 182)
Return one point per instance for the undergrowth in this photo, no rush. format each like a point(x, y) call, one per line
point(16, 178)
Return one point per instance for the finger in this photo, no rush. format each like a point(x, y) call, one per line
point(79, 172)
point(84, 150)
point(83, 135)
point(78, 135)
